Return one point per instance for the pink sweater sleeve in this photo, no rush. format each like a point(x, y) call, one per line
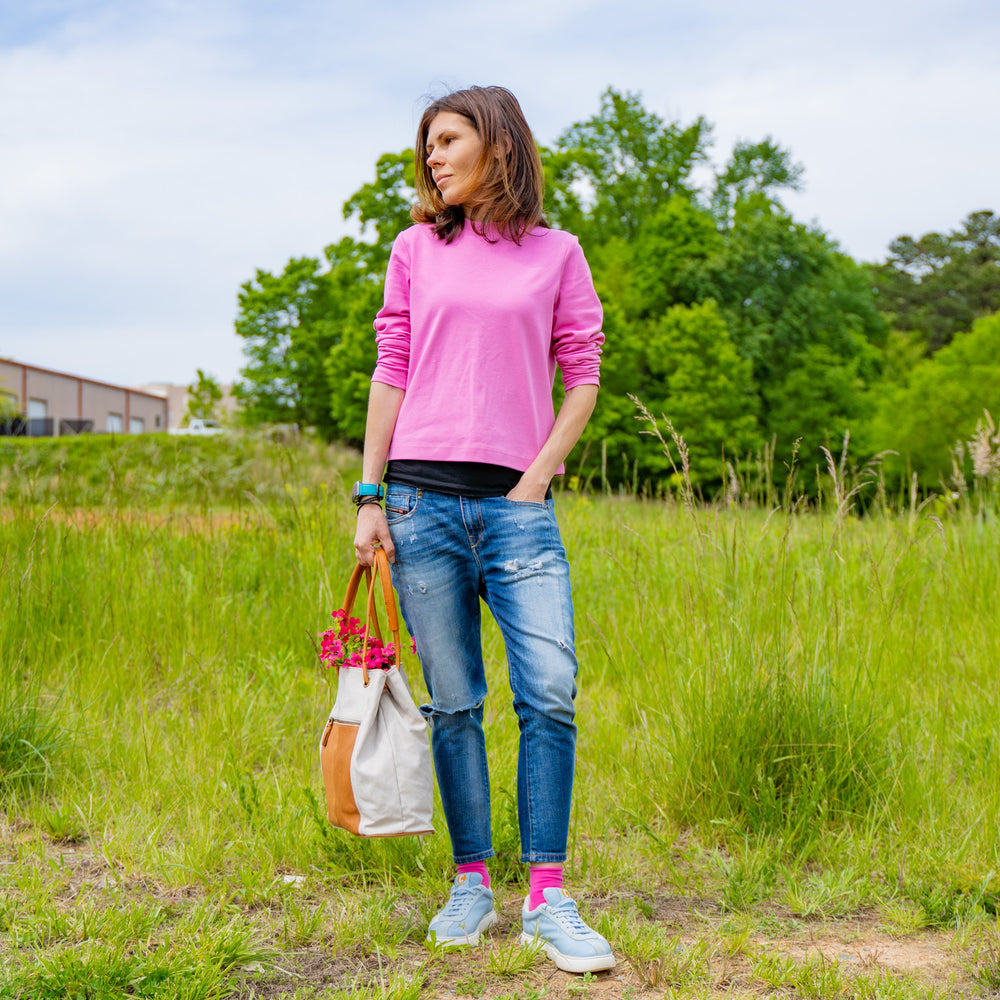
point(392, 322)
point(576, 328)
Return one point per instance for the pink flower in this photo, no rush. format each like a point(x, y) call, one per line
point(332, 648)
point(342, 645)
point(350, 628)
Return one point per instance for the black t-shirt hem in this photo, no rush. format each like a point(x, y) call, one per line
point(467, 479)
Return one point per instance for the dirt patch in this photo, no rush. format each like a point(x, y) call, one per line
point(930, 954)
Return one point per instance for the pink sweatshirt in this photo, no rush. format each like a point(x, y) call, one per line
point(473, 332)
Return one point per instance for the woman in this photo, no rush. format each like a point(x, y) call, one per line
point(482, 301)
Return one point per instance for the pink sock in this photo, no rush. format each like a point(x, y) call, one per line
point(542, 879)
point(478, 868)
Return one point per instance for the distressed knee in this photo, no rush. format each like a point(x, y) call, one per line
point(449, 713)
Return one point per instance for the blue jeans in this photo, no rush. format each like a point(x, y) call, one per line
point(450, 552)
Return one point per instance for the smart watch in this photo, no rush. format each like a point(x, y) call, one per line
point(363, 493)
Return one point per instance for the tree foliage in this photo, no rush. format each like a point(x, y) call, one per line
point(307, 331)
point(9, 408)
point(705, 388)
point(204, 396)
point(286, 323)
point(799, 315)
point(802, 313)
point(619, 164)
point(754, 169)
point(382, 207)
point(939, 285)
point(940, 403)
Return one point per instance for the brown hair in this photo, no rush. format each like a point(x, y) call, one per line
point(508, 180)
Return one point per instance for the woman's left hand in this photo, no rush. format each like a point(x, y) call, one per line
point(572, 417)
point(523, 493)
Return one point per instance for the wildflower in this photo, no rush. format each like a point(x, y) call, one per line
point(985, 448)
point(344, 645)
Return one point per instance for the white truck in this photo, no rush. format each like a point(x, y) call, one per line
point(198, 426)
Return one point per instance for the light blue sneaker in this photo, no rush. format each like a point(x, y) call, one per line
point(558, 927)
point(468, 913)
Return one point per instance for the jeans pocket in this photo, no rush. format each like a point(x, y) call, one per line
point(400, 503)
point(530, 504)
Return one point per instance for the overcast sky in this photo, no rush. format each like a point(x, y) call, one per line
point(155, 153)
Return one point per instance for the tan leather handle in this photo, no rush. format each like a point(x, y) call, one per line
point(352, 592)
point(380, 568)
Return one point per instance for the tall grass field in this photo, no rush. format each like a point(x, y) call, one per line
point(788, 778)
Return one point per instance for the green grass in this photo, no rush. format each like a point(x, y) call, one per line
point(786, 717)
point(29, 735)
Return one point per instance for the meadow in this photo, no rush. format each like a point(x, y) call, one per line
point(788, 778)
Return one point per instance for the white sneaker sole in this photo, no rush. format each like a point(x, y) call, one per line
point(572, 963)
point(471, 938)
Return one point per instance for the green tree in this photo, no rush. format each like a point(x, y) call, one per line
point(938, 285)
point(684, 366)
point(286, 323)
point(610, 171)
point(610, 446)
point(9, 408)
point(204, 396)
point(623, 180)
point(350, 362)
point(822, 397)
point(300, 327)
point(755, 169)
point(698, 381)
point(803, 314)
point(669, 255)
point(940, 403)
point(382, 207)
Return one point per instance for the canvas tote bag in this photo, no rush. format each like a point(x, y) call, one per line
point(374, 753)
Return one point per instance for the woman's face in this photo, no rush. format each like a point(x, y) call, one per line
point(453, 152)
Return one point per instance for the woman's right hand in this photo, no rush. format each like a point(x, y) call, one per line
point(372, 531)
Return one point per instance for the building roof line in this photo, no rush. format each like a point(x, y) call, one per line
point(81, 378)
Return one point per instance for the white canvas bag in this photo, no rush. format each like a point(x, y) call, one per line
point(374, 753)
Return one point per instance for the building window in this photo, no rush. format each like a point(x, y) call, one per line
point(115, 423)
point(136, 425)
point(37, 409)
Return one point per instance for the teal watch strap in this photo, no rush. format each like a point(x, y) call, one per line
point(367, 493)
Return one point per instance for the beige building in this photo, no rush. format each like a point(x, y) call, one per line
point(51, 403)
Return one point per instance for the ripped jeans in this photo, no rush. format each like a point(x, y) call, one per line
point(450, 552)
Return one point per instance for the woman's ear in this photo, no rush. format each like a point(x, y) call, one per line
point(504, 147)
